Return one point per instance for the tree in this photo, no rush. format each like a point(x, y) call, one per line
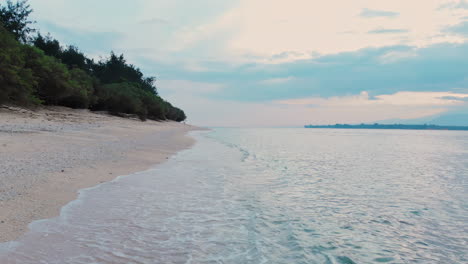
point(50, 46)
point(41, 71)
point(14, 17)
point(53, 77)
point(116, 69)
point(16, 81)
point(73, 58)
point(82, 90)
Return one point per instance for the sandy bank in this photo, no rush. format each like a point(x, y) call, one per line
point(46, 156)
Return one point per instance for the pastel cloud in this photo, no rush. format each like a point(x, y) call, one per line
point(397, 99)
point(388, 31)
point(349, 109)
point(184, 86)
point(309, 27)
point(372, 13)
point(378, 71)
point(457, 4)
point(395, 56)
point(244, 31)
point(279, 80)
point(461, 29)
point(224, 60)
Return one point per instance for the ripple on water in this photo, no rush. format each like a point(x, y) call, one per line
point(273, 196)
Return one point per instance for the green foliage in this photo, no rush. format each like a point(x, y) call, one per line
point(44, 72)
point(56, 84)
point(16, 81)
point(82, 90)
point(53, 78)
point(119, 98)
point(73, 58)
point(115, 70)
point(50, 46)
point(14, 17)
point(129, 98)
point(175, 113)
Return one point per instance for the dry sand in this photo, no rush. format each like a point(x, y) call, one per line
point(46, 156)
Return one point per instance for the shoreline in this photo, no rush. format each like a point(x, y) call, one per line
point(47, 156)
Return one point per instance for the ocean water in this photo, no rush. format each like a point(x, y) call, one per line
point(273, 196)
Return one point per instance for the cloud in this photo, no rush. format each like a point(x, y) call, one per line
point(249, 32)
point(91, 42)
point(396, 99)
point(462, 4)
point(422, 98)
point(243, 56)
point(372, 13)
point(386, 70)
point(206, 111)
point(166, 87)
point(349, 109)
point(155, 21)
point(277, 80)
point(87, 15)
point(395, 56)
point(244, 31)
point(459, 99)
point(388, 31)
point(461, 29)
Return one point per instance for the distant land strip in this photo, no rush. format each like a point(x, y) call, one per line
point(394, 126)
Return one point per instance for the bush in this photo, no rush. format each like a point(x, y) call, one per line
point(16, 81)
point(47, 73)
point(129, 98)
point(53, 78)
point(119, 98)
point(82, 90)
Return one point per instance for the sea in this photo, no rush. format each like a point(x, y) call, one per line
point(272, 195)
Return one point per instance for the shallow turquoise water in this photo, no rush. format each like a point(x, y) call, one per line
point(273, 196)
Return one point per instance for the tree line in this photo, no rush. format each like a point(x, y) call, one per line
point(390, 126)
point(37, 69)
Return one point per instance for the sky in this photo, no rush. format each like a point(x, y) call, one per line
point(283, 63)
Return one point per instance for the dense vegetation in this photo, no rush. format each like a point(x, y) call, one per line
point(38, 70)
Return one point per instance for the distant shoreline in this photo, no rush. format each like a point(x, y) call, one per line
point(47, 155)
point(392, 126)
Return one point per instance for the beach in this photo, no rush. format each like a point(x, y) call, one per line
point(271, 195)
point(47, 155)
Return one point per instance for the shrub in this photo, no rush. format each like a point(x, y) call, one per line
point(82, 90)
point(16, 82)
point(44, 72)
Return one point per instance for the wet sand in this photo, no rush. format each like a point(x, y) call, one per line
point(46, 156)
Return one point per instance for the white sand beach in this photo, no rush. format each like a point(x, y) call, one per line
point(46, 156)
